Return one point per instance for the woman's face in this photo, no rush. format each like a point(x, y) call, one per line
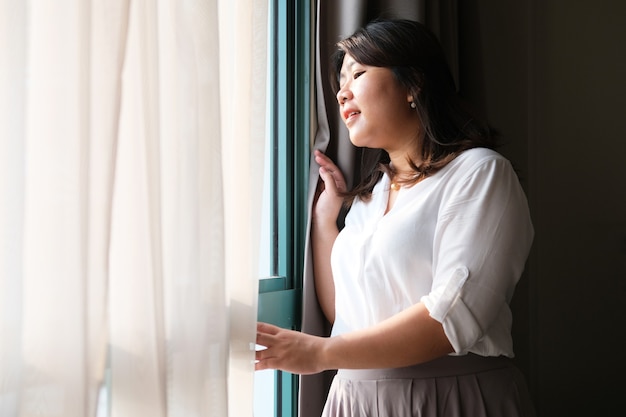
point(376, 108)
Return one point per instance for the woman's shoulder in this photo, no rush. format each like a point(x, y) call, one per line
point(481, 162)
point(471, 159)
point(478, 155)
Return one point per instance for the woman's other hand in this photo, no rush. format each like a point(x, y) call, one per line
point(288, 350)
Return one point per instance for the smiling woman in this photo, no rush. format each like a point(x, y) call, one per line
point(372, 105)
point(417, 284)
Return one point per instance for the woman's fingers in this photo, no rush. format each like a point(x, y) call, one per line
point(286, 349)
point(329, 181)
point(265, 333)
point(262, 365)
point(264, 339)
point(267, 328)
point(262, 354)
point(325, 162)
point(267, 336)
point(330, 173)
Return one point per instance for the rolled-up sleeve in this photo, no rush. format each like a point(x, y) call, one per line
point(481, 243)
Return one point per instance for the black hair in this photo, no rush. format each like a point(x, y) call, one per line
point(414, 55)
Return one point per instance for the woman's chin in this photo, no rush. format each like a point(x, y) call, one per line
point(358, 141)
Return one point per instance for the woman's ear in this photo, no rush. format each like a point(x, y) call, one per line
point(412, 96)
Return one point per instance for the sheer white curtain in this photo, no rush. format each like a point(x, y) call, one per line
point(131, 142)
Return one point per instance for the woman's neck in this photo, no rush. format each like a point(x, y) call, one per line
point(400, 164)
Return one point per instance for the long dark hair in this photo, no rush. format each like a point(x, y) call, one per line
point(417, 60)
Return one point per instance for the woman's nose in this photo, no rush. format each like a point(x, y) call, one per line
point(342, 95)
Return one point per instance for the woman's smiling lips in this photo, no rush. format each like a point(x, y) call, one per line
point(349, 114)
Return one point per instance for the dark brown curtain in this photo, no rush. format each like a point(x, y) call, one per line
point(337, 19)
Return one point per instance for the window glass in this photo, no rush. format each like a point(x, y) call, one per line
point(286, 179)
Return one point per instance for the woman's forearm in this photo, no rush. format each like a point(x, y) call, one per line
point(410, 337)
point(323, 237)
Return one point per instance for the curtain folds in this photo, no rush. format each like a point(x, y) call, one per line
point(334, 21)
point(129, 191)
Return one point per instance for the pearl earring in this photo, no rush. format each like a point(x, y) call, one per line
point(413, 105)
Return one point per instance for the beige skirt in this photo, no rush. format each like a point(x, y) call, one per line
point(452, 386)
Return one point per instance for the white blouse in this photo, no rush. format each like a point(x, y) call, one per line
point(456, 241)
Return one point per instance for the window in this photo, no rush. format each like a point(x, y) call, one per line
point(286, 185)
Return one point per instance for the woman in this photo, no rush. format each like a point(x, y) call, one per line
point(417, 283)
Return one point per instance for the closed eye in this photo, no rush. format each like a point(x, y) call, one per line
point(358, 74)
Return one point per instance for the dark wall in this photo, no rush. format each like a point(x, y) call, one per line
point(551, 75)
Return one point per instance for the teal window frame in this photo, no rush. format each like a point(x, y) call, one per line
point(280, 295)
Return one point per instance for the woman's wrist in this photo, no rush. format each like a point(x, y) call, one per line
point(336, 354)
point(325, 354)
point(322, 224)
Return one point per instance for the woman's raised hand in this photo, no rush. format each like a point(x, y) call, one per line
point(328, 198)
